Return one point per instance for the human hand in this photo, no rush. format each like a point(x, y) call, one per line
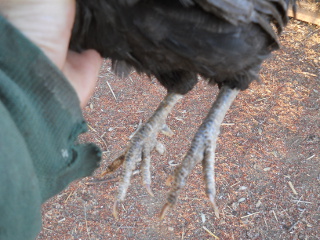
point(48, 24)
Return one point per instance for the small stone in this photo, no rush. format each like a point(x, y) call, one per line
point(242, 188)
point(258, 204)
point(172, 163)
point(203, 218)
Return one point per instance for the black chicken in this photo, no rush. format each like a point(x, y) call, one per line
point(224, 41)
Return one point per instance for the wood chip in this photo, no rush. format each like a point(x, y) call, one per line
point(227, 124)
point(299, 201)
point(208, 231)
point(274, 213)
point(179, 119)
point(112, 91)
point(309, 74)
point(91, 128)
point(292, 188)
point(251, 214)
point(311, 157)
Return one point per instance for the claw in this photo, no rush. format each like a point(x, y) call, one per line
point(166, 207)
point(214, 205)
point(167, 131)
point(148, 188)
point(115, 210)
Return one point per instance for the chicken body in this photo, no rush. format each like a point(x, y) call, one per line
point(224, 41)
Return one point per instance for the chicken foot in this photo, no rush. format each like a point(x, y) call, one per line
point(203, 149)
point(140, 148)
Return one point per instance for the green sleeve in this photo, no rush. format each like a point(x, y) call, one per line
point(40, 120)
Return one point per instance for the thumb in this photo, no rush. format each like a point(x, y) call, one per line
point(81, 69)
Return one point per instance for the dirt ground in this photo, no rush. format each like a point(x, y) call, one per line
point(267, 169)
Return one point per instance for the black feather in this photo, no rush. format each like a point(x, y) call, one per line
point(224, 41)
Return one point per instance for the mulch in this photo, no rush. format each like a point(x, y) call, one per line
point(267, 170)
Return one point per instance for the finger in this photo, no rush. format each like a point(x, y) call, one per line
point(81, 69)
point(46, 23)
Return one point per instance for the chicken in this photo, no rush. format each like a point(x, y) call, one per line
point(224, 41)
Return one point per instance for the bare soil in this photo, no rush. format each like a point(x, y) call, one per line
point(267, 169)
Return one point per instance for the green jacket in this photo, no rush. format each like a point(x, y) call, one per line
point(40, 120)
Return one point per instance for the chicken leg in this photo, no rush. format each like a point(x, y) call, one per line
point(140, 147)
point(203, 149)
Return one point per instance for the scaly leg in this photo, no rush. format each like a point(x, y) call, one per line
point(203, 149)
point(140, 147)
